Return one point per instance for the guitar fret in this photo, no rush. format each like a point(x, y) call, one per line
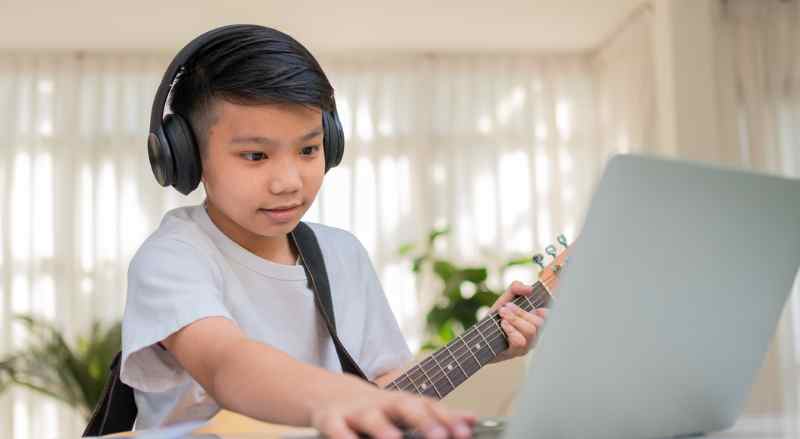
point(497, 325)
point(452, 386)
point(416, 389)
point(470, 351)
point(410, 386)
point(422, 368)
point(527, 299)
point(458, 363)
point(485, 340)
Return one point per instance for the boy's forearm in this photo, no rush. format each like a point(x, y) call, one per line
point(269, 385)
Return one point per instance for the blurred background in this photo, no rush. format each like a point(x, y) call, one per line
point(475, 133)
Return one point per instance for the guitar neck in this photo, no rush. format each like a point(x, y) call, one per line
point(440, 373)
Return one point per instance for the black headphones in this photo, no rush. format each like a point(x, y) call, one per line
point(173, 152)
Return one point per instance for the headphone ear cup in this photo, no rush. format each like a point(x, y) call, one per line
point(188, 167)
point(161, 159)
point(334, 139)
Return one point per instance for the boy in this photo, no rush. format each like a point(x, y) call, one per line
point(219, 313)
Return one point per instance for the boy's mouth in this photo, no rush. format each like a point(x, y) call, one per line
point(282, 214)
point(283, 208)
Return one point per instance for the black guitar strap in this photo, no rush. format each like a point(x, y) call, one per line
point(311, 257)
point(116, 410)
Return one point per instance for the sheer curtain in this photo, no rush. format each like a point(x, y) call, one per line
point(497, 146)
point(494, 146)
point(759, 93)
point(758, 90)
point(77, 200)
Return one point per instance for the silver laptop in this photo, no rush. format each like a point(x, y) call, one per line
point(666, 306)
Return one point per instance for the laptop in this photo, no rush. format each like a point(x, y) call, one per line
point(666, 307)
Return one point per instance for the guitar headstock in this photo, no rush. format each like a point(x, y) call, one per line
point(549, 274)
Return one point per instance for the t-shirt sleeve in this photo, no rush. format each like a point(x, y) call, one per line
point(170, 285)
point(383, 346)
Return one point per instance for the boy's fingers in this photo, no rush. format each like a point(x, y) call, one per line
point(374, 423)
point(524, 326)
point(335, 427)
point(515, 339)
point(531, 318)
point(516, 288)
point(454, 422)
point(414, 412)
point(520, 289)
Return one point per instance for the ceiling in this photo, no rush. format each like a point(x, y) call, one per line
point(432, 25)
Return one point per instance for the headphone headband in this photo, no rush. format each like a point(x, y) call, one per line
point(160, 100)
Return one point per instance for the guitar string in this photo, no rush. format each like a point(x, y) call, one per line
point(471, 335)
point(439, 374)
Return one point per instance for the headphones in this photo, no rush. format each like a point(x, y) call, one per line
point(171, 146)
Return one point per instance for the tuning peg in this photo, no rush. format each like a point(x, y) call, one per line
point(551, 250)
point(539, 260)
point(562, 240)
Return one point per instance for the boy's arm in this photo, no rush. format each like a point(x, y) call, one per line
point(267, 384)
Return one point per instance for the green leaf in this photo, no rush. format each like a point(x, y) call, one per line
point(444, 269)
point(436, 233)
point(72, 373)
point(464, 311)
point(418, 261)
point(431, 344)
point(486, 298)
point(405, 249)
point(518, 261)
point(446, 332)
point(475, 275)
point(437, 317)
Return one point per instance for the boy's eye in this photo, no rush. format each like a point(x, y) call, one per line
point(253, 156)
point(310, 150)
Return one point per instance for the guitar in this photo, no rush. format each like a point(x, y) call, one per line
point(440, 373)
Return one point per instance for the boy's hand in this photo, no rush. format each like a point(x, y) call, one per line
point(376, 413)
point(521, 327)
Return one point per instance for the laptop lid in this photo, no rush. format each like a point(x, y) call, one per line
point(667, 304)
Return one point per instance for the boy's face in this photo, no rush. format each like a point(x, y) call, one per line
point(261, 160)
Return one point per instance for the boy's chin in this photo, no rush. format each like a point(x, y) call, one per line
point(275, 230)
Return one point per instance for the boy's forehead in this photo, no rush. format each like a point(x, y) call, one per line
point(271, 123)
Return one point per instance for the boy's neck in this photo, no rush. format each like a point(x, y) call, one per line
point(277, 249)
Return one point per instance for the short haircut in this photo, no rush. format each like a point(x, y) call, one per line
point(253, 65)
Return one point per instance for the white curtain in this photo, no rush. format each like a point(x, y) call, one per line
point(499, 148)
point(75, 203)
point(758, 90)
point(758, 69)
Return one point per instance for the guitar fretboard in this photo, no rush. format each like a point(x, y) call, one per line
point(441, 372)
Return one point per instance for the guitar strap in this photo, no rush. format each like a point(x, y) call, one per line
point(116, 409)
point(311, 257)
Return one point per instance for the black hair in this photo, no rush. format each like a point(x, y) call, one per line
point(253, 65)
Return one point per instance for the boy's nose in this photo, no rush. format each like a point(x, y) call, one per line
point(284, 178)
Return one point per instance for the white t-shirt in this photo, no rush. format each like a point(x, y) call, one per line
point(188, 269)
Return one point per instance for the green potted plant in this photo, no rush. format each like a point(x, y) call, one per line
point(74, 375)
point(465, 292)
